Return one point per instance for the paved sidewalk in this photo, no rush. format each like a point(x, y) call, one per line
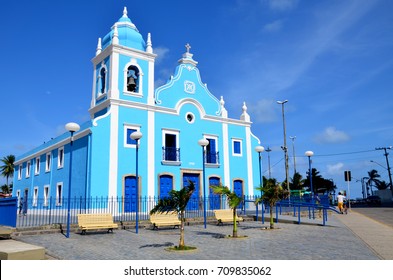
point(377, 235)
point(336, 241)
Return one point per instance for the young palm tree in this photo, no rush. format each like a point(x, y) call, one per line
point(272, 192)
point(233, 202)
point(7, 170)
point(176, 201)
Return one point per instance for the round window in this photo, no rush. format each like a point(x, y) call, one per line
point(190, 117)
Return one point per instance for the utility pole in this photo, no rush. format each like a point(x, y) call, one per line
point(268, 150)
point(294, 155)
point(387, 163)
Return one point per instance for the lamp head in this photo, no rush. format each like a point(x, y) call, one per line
point(203, 142)
point(309, 153)
point(136, 135)
point(72, 127)
point(259, 149)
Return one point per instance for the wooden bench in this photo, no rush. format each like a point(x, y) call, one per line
point(96, 221)
point(226, 216)
point(165, 219)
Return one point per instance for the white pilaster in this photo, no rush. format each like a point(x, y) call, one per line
point(225, 142)
point(113, 151)
point(249, 162)
point(151, 178)
point(114, 77)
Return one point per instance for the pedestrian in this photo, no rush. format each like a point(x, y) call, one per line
point(340, 202)
point(20, 206)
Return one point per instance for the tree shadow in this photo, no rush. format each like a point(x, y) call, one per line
point(212, 234)
point(166, 244)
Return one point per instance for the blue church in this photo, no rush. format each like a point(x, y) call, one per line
point(171, 118)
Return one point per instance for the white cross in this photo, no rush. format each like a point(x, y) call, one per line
point(188, 47)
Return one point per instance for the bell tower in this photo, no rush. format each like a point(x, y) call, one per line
point(123, 67)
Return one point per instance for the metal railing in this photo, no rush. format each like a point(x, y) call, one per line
point(40, 212)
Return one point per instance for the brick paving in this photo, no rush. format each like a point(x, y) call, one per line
point(289, 241)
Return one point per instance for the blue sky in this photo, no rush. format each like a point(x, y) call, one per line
point(331, 59)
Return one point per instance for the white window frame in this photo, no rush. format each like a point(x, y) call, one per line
point(28, 169)
point(125, 70)
point(48, 162)
point(175, 132)
point(46, 194)
point(215, 138)
point(20, 171)
point(60, 160)
point(129, 126)
point(59, 194)
point(99, 81)
point(233, 147)
point(35, 196)
point(37, 166)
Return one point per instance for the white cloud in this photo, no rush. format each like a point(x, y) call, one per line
point(264, 111)
point(273, 26)
point(282, 5)
point(332, 135)
point(335, 169)
point(161, 53)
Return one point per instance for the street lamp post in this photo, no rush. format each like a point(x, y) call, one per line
point(137, 135)
point(285, 148)
point(203, 143)
point(71, 127)
point(259, 150)
point(294, 155)
point(309, 154)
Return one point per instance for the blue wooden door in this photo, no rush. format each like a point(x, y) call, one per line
point(214, 199)
point(166, 185)
point(194, 203)
point(130, 194)
point(238, 188)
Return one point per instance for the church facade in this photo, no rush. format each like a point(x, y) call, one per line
point(172, 118)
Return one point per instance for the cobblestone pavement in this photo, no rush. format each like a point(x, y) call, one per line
point(288, 242)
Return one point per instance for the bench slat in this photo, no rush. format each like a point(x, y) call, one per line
point(165, 219)
point(96, 221)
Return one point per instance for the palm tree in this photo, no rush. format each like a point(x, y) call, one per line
point(373, 178)
point(272, 192)
point(7, 170)
point(382, 185)
point(176, 201)
point(297, 182)
point(233, 202)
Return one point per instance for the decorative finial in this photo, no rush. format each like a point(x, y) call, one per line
point(149, 48)
point(99, 47)
point(222, 102)
point(245, 116)
point(125, 12)
point(115, 38)
point(244, 107)
point(224, 112)
point(188, 47)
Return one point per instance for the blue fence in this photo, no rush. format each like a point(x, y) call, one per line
point(8, 210)
point(40, 212)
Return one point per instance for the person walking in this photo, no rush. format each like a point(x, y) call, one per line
point(340, 202)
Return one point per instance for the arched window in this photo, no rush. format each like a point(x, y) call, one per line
point(132, 79)
point(102, 80)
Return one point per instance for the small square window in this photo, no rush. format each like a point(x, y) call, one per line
point(237, 147)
